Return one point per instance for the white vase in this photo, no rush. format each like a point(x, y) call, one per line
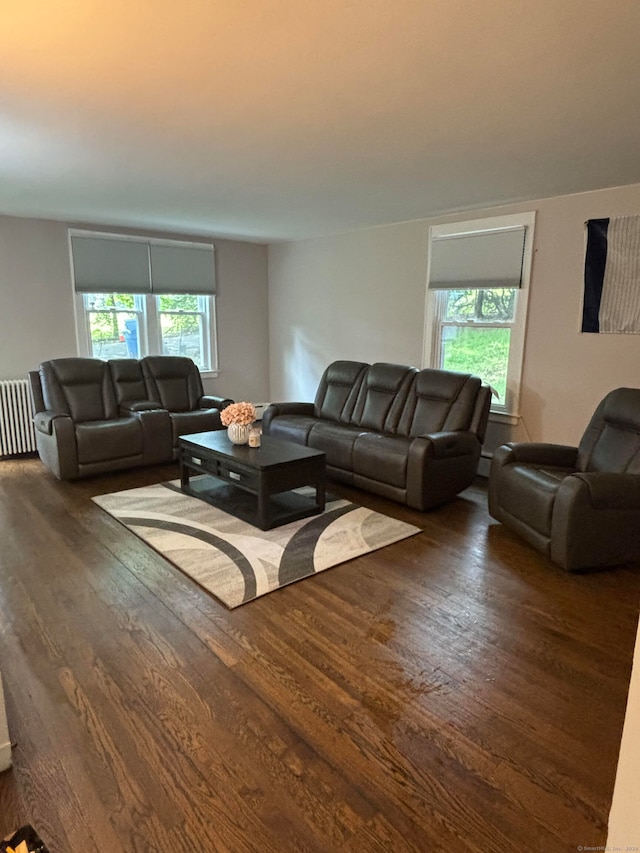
point(239, 433)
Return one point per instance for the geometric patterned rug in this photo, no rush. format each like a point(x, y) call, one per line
point(236, 561)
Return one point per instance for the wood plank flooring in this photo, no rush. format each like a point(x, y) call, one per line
point(452, 692)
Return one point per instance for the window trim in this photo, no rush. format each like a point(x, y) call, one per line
point(510, 407)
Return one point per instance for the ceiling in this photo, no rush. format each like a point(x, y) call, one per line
point(284, 119)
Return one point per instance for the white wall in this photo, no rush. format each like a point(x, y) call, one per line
point(361, 296)
point(36, 305)
point(357, 296)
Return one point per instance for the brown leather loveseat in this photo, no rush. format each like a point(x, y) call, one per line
point(92, 416)
point(410, 435)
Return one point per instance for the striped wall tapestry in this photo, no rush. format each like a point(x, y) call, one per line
point(612, 276)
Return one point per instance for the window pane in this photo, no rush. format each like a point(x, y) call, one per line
point(182, 335)
point(114, 334)
point(182, 302)
point(110, 300)
point(484, 352)
point(494, 306)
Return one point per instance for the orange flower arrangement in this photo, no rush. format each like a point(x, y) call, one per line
point(238, 413)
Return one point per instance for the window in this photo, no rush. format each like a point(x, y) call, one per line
point(138, 297)
point(183, 324)
point(113, 320)
point(477, 300)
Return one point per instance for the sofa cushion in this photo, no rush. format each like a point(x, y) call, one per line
point(439, 400)
point(78, 387)
point(528, 491)
point(338, 390)
point(99, 441)
point(172, 381)
point(128, 381)
point(382, 396)
point(382, 457)
point(611, 441)
point(336, 440)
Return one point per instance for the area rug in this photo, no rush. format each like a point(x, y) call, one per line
point(237, 562)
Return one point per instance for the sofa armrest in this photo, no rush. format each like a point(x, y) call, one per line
point(439, 466)
point(211, 402)
point(44, 421)
point(610, 491)
point(291, 409)
point(56, 443)
point(596, 520)
point(444, 445)
point(536, 453)
point(157, 434)
point(138, 406)
point(274, 410)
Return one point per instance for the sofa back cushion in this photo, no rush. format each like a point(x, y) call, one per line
point(173, 382)
point(439, 400)
point(78, 387)
point(383, 393)
point(128, 381)
point(338, 390)
point(611, 442)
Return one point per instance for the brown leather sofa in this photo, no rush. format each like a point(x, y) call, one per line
point(580, 506)
point(92, 416)
point(410, 435)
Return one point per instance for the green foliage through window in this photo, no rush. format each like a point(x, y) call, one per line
point(483, 352)
point(493, 306)
point(476, 333)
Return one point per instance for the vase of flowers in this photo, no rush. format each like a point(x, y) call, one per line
point(238, 418)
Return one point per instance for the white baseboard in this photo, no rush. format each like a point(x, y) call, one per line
point(484, 466)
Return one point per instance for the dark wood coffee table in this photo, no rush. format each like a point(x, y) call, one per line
point(253, 483)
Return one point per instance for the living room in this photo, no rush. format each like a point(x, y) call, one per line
point(294, 292)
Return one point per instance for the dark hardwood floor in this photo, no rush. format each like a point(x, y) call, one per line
point(452, 692)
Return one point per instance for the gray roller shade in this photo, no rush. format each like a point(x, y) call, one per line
point(110, 266)
point(482, 260)
point(182, 269)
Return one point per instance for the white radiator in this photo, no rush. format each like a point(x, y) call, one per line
point(16, 425)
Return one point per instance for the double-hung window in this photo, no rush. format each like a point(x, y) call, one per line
point(137, 297)
point(477, 293)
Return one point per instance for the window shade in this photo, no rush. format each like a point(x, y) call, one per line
point(182, 269)
point(482, 260)
point(110, 266)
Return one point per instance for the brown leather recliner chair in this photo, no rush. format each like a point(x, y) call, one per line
point(81, 430)
point(580, 506)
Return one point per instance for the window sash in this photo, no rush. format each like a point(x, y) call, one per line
point(441, 323)
point(150, 337)
point(205, 345)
